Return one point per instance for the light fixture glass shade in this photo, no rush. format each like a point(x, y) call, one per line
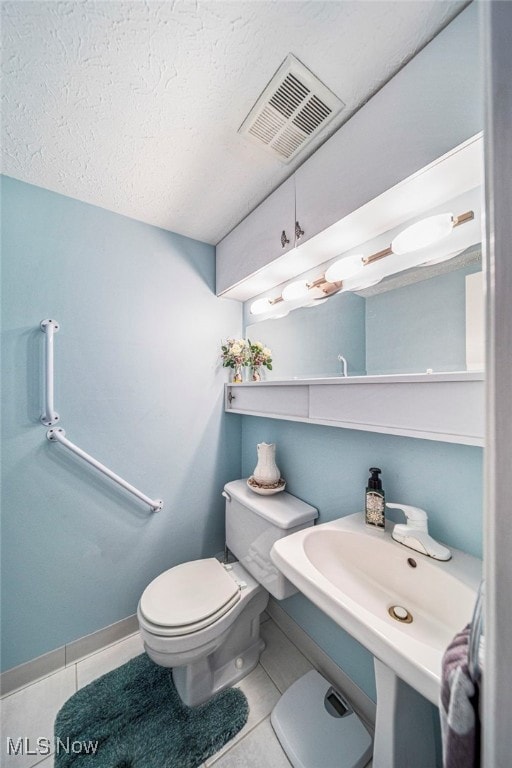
point(279, 315)
point(315, 303)
point(344, 269)
point(295, 290)
point(440, 259)
point(260, 306)
point(364, 281)
point(425, 232)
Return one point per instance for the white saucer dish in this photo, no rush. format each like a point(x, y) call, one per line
point(264, 491)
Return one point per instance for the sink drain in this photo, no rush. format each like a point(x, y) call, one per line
point(399, 613)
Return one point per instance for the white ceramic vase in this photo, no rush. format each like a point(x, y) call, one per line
point(266, 471)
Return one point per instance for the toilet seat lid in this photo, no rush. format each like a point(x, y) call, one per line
point(189, 593)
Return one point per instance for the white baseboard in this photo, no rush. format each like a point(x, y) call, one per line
point(25, 674)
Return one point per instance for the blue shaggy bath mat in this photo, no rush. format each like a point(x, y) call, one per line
point(133, 717)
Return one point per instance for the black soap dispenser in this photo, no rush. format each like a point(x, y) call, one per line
point(375, 507)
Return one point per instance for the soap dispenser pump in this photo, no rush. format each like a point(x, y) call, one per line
point(375, 501)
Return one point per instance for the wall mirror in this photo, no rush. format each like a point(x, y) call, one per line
point(430, 318)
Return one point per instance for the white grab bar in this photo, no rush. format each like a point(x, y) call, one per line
point(50, 416)
point(58, 435)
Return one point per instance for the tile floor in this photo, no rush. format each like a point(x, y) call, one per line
point(30, 712)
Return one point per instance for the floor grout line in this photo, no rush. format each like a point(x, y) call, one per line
point(39, 762)
point(226, 749)
point(291, 641)
point(251, 729)
point(236, 743)
point(272, 679)
point(240, 741)
point(30, 685)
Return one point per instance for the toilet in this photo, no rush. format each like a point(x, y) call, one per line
point(202, 618)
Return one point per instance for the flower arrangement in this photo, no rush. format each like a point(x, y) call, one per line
point(235, 355)
point(239, 353)
point(259, 356)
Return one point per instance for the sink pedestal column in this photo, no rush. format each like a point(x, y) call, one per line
point(404, 727)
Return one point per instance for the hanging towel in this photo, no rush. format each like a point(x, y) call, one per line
point(458, 707)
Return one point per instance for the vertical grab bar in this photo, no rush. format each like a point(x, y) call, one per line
point(50, 415)
point(59, 436)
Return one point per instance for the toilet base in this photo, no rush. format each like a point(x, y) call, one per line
point(238, 655)
point(198, 682)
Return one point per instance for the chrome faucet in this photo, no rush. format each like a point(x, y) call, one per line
point(343, 365)
point(414, 534)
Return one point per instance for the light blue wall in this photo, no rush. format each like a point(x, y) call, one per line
point(327, 467)
point(137, 386)
point(419, 326)
point(308, 341)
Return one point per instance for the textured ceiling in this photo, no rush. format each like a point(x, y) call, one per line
point(135, 106)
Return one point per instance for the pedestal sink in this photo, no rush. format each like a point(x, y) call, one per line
point(404, 607)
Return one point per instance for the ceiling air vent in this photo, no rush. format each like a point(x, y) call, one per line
point(292, 109)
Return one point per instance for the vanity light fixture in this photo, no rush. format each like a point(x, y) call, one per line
point(296, 290)
point(325, 287)
point(280, 314)
point(316, 302)
point(349, 273)
point(363, 282)
point(440, 259)
point(313, 293)
point(344, 269)
point(262, 306)
point(423, 233)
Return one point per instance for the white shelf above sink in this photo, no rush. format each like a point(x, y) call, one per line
point(448, 407)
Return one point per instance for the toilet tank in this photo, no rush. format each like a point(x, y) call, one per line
point(254, 523)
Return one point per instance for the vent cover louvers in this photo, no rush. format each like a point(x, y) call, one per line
point(292, 109)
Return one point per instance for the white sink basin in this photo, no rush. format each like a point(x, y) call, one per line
point(356, 574)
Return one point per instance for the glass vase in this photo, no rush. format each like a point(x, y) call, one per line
point(237, 375)
point(256, 373)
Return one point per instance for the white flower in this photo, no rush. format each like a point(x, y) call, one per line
point(267, 352)
point(258, 344)
point(236, 349)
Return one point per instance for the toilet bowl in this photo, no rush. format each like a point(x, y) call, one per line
point(202, 618)
point(207, 630)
